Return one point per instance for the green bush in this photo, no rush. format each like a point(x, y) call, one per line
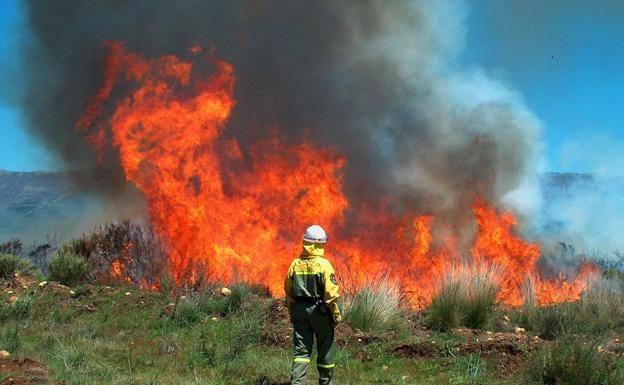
point(11, 264)
point(8, 265)
point(68, 268)
point(575, 362)
point(376, 307)
point(467, 296)
point(19, 309)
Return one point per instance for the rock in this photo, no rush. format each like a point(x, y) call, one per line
point(225, 291)
point(43, 283)
point(4, 353)
point(519, 330)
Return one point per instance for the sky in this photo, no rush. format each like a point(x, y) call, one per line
point(565, 57)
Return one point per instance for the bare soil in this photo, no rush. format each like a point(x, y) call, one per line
point(508, 351)
point(23, 371)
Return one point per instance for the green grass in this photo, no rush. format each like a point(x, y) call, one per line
point(600, 311)
point(125, 341)
point(376, 308)
point(573, 361)
point(467, 297)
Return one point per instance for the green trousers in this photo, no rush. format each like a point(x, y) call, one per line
point(308, 323)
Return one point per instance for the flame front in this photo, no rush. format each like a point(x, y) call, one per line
point(229, 214)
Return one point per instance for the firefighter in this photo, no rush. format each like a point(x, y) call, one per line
point(312, 299)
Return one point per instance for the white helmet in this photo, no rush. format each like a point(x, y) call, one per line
point(315, 234)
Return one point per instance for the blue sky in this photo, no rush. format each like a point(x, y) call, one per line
point(566, 61)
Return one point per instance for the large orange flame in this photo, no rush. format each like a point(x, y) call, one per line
point(231, 214)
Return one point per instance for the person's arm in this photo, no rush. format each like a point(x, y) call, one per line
point(331, 292)
point(288, 290)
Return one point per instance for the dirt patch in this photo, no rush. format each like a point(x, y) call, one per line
point(507, 350)
point(277, 329)
point(23, 371)
point(423, 349)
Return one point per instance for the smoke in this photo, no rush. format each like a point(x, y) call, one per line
point(377, 81)
point(585, 210)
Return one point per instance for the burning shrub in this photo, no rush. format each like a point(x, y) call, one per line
point(575, 362)
point(376, 307)
point(600, 309)
point(467, 296)
point(67, 267)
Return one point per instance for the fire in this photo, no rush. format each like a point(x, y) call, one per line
point(229, 213)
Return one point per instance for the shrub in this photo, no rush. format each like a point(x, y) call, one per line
point(467, 296)
point(443, 313)
point(19, 309)
point(575, 362)
point(133, 245)
point(9, 264)
point(376, 307)
point(68, 268)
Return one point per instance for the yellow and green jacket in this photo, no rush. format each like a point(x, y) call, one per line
point(312, 276)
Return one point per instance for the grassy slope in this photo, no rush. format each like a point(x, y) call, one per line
point(103, 336)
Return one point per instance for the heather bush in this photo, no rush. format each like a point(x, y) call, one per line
point(576, 362)
point(68, 268)
point(8, 265)
point(11, 264)
point(467, 296)
point(376, 307)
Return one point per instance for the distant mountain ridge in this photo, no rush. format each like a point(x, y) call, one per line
point(35, 204)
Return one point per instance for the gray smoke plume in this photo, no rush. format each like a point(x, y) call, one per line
point(377, 80)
